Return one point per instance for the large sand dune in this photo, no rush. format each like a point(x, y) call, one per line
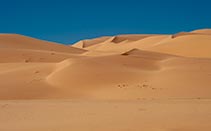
point(186, 44)
point(15, 41)
point(18, 48)
point(116, 83)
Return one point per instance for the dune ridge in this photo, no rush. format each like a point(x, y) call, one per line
point(16, 41)
point(186, 44)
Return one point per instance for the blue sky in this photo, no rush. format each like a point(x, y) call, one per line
point(67, 21)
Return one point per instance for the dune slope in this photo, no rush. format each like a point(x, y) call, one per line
point(133, 75)
point(18, 48)
point(22, 42)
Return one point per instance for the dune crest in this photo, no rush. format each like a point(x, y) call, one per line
point(150, 55)
point(128, 38)
point(203, 31)
point(91, 42)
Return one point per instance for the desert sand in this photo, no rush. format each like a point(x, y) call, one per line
point(149, 82)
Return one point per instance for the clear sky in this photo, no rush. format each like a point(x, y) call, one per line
point(67, 21)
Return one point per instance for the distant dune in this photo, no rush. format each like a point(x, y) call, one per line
point(18, 48)
point(188, 44)
point(170, 75)
point(203, 31)
point(15, 41)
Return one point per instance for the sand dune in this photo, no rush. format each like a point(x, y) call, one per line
point(18, 48)
point(183, 34)
point(187, 45)
point(143, 74)
point(128, 38)
point(28, 55)
point(22, 42)
point(203, 31)
point(196, 32)
point(24, 81)
point(124, 82)
point(113, 48)
point(115, 39)
point(132, 75)
point(91, 42)
point(143, 66)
